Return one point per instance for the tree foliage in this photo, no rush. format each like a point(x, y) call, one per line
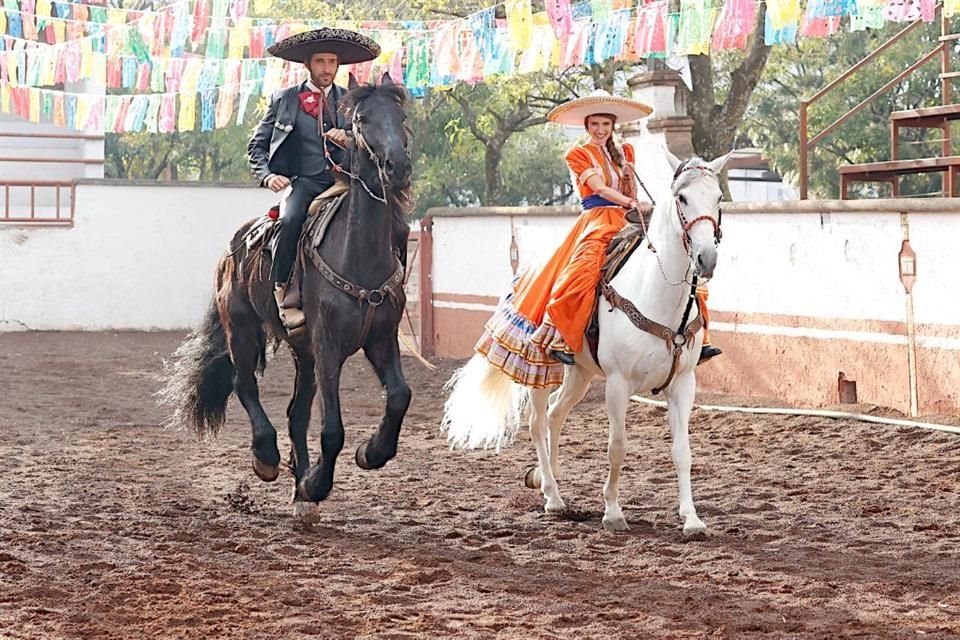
point(798, 71)
point(218, 155)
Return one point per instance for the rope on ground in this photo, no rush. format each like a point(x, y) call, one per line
point(413, 351)
point(818, 413)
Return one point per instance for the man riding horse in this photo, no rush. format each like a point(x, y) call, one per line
point(303, 142)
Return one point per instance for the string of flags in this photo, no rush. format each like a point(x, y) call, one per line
point(203, 63)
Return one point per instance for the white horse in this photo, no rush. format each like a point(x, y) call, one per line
point(636, 355)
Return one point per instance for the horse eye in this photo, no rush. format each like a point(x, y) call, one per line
point(683, 199)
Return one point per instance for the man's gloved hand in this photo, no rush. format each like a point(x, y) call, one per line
point(338, 137)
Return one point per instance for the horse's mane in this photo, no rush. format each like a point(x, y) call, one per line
point(403, 199)
point(357, 95)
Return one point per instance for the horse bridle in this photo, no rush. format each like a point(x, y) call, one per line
point(685, 225)
point(361, 144)
point(388, 290)
point(688, 225)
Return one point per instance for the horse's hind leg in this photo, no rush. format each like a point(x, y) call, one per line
point(247, 344)
point(298, 412)
point(576, 381)
point(680, 396)
point(617, 396)
point(382, 445)
point(538, 433)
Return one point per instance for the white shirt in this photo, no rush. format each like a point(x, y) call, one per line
point(316, 89)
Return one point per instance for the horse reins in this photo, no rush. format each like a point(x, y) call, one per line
point(361, 143)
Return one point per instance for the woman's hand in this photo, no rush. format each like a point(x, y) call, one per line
point(643, 208)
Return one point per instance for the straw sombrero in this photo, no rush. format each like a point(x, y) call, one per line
point(350, 46)
point(572, 113)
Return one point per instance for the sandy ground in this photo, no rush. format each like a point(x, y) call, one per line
point(114, 527)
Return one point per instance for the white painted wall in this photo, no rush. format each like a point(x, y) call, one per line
point(791, 261)
point(471, 255)
point(810, 264)
point(137, 257)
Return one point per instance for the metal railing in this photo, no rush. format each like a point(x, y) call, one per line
point(34, 210)
point(807, 143)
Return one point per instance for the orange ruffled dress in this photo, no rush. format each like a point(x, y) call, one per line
point(550, 305)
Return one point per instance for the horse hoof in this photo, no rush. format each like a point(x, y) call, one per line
point(555, 507)
point(695, 530)
point(532, 479)
point(615, 524)
point(364, 461)
point(361, 458)
point(266, 472)
point(312, 489)
point(305, 510)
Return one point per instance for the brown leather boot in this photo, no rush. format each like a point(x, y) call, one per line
point(291, 317)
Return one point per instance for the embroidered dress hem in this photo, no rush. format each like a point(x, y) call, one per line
point(506, 345)
point(547, 338)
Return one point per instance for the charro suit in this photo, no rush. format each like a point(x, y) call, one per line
point(287, 142)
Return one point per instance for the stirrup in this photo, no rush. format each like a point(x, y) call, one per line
point(708, 352)
point(563, 356)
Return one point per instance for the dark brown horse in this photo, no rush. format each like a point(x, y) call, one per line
point(351, 298)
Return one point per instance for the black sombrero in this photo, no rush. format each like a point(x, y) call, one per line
point(350, 46)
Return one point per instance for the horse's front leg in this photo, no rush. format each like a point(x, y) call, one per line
point(617, 396)
point(384, 355)
point(680, 396)
point(318, 482)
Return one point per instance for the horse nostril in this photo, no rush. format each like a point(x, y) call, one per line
point(389, 165)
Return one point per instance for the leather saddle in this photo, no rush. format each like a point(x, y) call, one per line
point(262, 235)
point(261, 238)
point(621, 247)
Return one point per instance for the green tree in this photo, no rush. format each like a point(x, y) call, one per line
point(218, 155)
point(722, 88)
point(450, 167)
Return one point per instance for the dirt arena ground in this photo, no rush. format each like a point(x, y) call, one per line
point(114, 527)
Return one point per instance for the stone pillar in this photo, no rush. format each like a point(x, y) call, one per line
point(668, 127)
point(663, 90)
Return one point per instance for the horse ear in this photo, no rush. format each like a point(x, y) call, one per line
point(386, 79)
point(352, 82)
point(717, 164)
point(674, 161)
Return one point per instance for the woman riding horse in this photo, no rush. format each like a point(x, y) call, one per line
point(541, 324)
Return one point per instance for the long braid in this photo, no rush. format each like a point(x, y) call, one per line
point(615, 153)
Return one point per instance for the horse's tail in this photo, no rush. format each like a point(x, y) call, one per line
point(484, 408)
point(199, 379)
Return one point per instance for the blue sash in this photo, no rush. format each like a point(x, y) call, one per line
point(594, 201)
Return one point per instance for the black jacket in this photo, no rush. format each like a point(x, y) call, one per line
point(266, 151)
